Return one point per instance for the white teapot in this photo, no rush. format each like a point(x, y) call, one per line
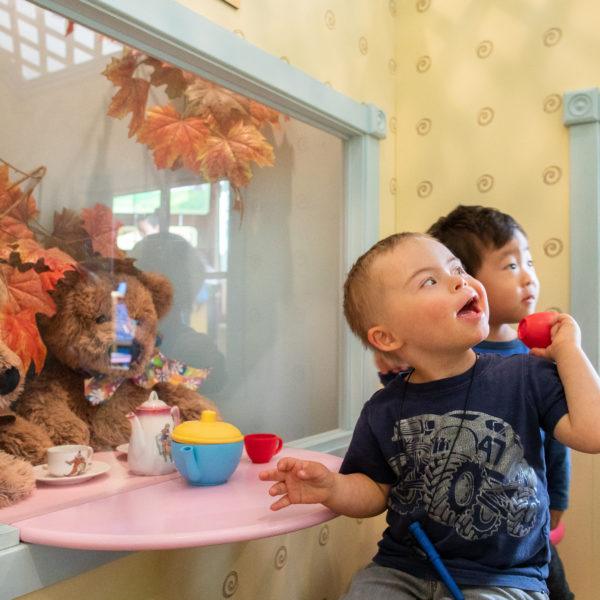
point(150, 444)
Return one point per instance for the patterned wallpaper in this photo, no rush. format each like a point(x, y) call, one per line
point(480, 117)
point(479, 120)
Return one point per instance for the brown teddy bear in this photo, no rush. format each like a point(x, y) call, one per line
point(79, 339)
point(21, 443)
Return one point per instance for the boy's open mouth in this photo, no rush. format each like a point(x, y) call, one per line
point(470, 309)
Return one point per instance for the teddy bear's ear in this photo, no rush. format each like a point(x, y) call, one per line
point(161, 289)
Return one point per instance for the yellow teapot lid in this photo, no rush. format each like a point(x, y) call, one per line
point(206, 430)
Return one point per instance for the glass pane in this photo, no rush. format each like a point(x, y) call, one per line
point(239, 207)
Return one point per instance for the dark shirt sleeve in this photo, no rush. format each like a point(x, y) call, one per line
point(364, 453)
point(546, 391)
point(558, 472)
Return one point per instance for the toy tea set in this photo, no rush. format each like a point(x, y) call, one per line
point(204, 451)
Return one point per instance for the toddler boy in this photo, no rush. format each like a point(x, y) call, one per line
point(455, 444)
point(494, 249)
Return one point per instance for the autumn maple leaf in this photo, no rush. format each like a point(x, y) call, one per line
point(230, 155)
point(120, 70)
point(102, 228)
point(211, 101)
point(25, 291)
point(20, 333)
point(263, 114)
point(163, 73)
point(131, 98)
point(173, 138)
point(16, 208)
point(50, 263)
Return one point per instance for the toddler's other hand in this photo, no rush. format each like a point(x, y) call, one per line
point(566, 337)
point(388, 364)
point(299, 482)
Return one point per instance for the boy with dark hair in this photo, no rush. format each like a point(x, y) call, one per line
point(455, 444)
point(494, 249)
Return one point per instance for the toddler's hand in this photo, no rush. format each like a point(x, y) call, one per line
point(387, 364)
point(566, 336)
point(299, 482)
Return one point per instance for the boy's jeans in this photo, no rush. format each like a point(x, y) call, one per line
point(381, 583)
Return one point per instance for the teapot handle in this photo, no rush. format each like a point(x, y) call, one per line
point(176, 414)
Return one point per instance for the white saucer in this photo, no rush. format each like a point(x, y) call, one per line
point(122, 448)
point(96, 468)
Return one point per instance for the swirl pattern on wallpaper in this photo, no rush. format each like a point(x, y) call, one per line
point(485, 183)
point(423, 126)
point(484, 49)
point(424, 189)
point(553, 247)
point(551, 175)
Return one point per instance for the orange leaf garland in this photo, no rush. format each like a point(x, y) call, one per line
point(211, 130)
point(230, 155)
point(102, 228)
point(20, 333)
point(173, 138)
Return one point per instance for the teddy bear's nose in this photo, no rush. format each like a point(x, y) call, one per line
point(9, 380)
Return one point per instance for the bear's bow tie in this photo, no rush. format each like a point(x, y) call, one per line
point(160, 369)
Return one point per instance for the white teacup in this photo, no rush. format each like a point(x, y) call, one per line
point(69, 460)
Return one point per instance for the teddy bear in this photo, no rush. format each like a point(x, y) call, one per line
point(80, 338)
point(22, 444)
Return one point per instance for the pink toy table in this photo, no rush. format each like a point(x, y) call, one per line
point(120, 511)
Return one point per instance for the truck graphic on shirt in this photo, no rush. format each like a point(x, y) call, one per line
point(473, 478)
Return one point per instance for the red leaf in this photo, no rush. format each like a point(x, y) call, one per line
point(102, 228)
point(20, 333)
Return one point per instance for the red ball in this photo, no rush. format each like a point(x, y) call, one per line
point(534, 330)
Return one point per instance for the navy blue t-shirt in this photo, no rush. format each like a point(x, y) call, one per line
point(484, 504)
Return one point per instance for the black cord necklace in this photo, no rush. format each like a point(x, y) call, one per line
point(400, 438)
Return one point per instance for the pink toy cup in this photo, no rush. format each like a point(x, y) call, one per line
point(261, 447)
point(534, 330)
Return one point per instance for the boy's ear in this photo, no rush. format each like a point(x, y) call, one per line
point(383, 340)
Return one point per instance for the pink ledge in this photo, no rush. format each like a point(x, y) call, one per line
point(172, 514)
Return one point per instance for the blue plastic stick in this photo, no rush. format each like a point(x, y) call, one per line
point(425, 543)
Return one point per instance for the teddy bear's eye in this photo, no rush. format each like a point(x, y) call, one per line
point(101, 319)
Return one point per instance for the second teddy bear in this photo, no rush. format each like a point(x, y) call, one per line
point(79, 338)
